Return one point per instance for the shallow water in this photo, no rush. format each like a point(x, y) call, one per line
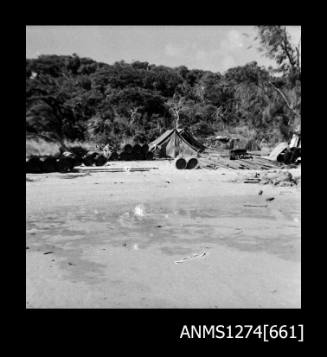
point(174, 226)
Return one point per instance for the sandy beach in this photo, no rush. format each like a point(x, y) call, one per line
point(163, 238)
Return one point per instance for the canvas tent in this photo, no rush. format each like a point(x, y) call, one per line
point(176, 142)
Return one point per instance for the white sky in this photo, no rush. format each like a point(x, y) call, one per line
point(214, 48)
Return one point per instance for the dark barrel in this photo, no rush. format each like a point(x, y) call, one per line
point(65, 164)
point(192, 163)
point(137, 149)
point(89, 158)
point(100, 160)
point(149, 155)
point(34, 165)
point(139, 156)
point(78, 151)
point(123, 156)
point(128, 148)
point(180, 163)
point(145, 148)
point(49, 164)
point(113, 156)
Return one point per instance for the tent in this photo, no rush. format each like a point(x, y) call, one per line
point(277, 151)
point(176, 142)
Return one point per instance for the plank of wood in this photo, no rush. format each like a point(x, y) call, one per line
point(255, 205)
point(252, 181)
point(113, 169)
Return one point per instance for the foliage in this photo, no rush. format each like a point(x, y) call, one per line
point(275, 42)
point(74, 98)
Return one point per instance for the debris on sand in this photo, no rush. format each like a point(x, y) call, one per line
point(252, 180)
point(260, 192)
point(214, 160)
point(27, 247)
point(255, 205)
point(193, 256)
point(48, 252)
point(282, 178)
point(269, 199)
point(74, 175)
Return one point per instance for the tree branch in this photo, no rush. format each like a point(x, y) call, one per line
point(284, 98)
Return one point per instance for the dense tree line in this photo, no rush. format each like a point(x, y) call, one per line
point(69, 97)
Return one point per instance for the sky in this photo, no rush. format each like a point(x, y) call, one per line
point(214, 48)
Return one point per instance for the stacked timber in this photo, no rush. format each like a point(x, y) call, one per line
point(216, 161)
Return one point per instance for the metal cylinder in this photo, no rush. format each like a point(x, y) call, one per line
point(180, 163)
point(192, 163)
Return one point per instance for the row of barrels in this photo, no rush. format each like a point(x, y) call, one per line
point(131, 153)
point(66, 161)
point(63, 163)
point(186, 163)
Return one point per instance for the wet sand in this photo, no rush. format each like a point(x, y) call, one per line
point(161, 239)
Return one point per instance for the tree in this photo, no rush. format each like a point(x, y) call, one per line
point(275, 42)
point(175, 106)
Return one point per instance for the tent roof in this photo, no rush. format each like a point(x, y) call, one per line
point(177, 141)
